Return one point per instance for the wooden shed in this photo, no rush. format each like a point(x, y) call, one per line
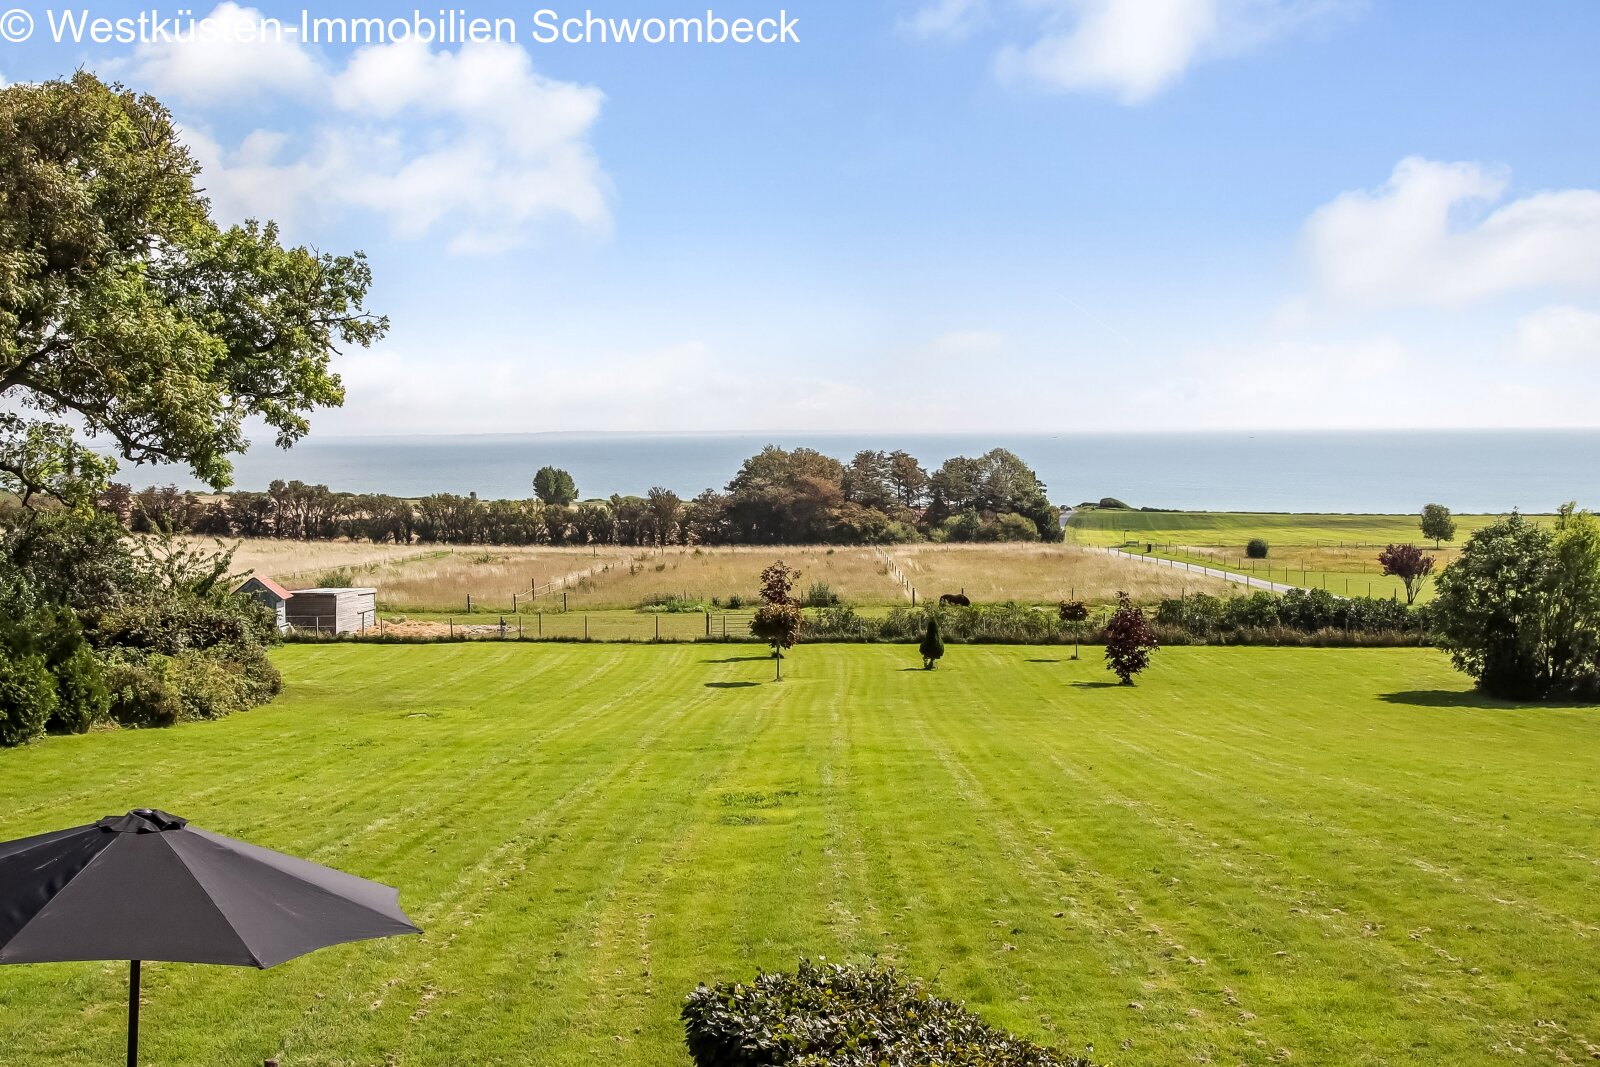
point(272, 595)
point(339, 611)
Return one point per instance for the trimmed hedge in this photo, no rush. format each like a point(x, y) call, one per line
point(827, 1015)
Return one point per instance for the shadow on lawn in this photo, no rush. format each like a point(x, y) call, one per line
point(732, 685)
point(1099, 685)
point(1466, 699)
point(742, 659)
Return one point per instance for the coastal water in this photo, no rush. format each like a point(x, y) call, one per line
point(1470, 471)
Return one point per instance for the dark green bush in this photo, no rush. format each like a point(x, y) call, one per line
point(821, 595)
point(142, 693)
point(82, 697)
point(826, 1015)
point(1300, 612)
point(27, 698)
point(1257, 548)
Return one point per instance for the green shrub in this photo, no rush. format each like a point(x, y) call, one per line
point(826, 1015)
point(1011, 527)
point(932, 647)
point(27, 698)
point(673, 604)
point(1257, 548)
point(141, 692)
point(821, 595)
point(82, 699)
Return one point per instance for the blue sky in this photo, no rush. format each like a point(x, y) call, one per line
point(1021, 215)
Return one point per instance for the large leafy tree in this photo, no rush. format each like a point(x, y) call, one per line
point(1437, 524)
point(1520, 610)
point(554, 487)
point(128, 316)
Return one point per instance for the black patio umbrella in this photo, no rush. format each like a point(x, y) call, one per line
point(148, 886)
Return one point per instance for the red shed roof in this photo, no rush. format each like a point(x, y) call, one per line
point(269, 585)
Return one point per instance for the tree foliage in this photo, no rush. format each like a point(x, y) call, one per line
point(126, 313)
point(1437, 524)
point(1129, 640)
point(1520, 609)
point(554, 487)
point(122, 627)
point(778, 621)
point(1409, 564)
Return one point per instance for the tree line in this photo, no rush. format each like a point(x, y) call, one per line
point(778, 496)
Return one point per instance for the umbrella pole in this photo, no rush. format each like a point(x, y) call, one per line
point(133, 1013)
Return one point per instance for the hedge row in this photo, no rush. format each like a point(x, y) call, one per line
point(826, 1015)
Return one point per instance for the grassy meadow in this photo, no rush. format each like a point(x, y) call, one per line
point(440, 578)
point(1231, 530)
point(1256, 856)
point(1338, 553)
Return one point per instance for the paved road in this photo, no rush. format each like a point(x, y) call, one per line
point(1193, 568)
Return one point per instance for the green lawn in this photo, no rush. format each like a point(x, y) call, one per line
point(1232, 529)
point(1330, 857)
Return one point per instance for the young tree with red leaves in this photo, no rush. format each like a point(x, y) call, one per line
point(779, 621)
point(1409, 564)
point(1129, 640)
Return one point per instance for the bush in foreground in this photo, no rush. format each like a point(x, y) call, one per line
point(826, 1015)
point(1257, 548)
point(932, 647)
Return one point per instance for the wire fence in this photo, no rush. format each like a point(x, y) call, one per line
point(608, 626)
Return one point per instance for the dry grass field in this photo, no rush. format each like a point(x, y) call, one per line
point(1041, 574)
point(437, 578)
point(855, 574)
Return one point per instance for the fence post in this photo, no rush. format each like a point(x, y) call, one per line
point(469, 603)
point(658, 627)
point(586, 627)
point(452, 626)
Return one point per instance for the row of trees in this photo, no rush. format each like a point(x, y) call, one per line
point(777, 497)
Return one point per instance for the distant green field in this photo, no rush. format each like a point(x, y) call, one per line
point(1256, 856)
point(1234, 529)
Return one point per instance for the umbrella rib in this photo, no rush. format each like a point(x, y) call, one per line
point(255, 959)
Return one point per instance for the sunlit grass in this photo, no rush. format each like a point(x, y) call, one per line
point(1255, 856)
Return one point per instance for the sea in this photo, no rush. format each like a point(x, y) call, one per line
point(1348, 472)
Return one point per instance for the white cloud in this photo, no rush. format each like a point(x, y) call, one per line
point(1558, 335)
point(240, 60)
point(473, 142)
point(1432, 235)
point(950, 19)
point(668, 388)
point(1133, 49)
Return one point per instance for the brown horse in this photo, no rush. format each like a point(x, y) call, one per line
point(956, 600)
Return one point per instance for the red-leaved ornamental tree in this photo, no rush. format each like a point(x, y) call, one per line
point(1129, 640)
point(778, 620)
point(1409, 564)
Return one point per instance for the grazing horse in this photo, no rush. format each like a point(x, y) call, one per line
point(958, 600)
